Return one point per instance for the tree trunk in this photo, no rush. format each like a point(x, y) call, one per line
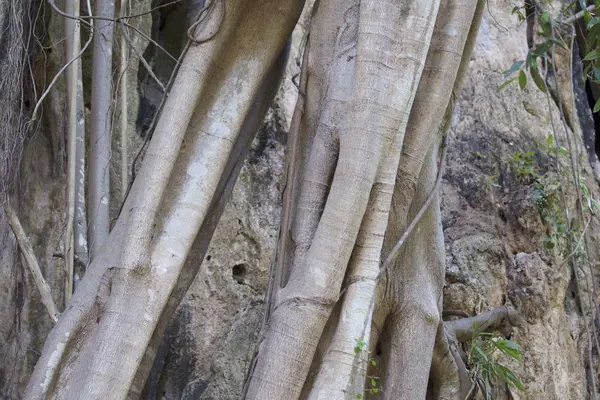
point(101, 127)
point(360, 266)
point(145, 253)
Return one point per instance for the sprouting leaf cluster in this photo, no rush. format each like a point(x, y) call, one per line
point(372, 386)
point(524, 165)
point(486, 357)
point(522, 70)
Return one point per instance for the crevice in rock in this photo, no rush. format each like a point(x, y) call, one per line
point(584, 104)
point(594, 136)
point(239, 272)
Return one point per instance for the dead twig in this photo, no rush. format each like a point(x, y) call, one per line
point(31, 261)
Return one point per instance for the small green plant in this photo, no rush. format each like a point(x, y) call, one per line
point(491, 181)
point(592, 204)
point(479, 155)
point(524, 165)
point(373, 386)
point(486, 370)
point(546, 197)
point(550, 147)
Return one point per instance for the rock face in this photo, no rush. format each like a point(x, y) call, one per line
point(495, 228)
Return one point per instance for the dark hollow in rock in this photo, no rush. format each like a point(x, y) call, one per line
point(239, 273)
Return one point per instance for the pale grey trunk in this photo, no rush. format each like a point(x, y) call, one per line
point(189, 152)
point(100, 127)
point(369, 79)
point(75, 236)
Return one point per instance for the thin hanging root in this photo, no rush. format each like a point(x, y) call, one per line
point(389, 261)
point(124, 59)
point(31, 261)
point(73, 47)
point(291, 185)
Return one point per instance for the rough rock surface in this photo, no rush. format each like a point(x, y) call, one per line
point(493, 229)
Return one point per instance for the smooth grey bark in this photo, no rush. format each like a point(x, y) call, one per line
point(100, 128)
point(76, 232)
point(316, 262)
point(220, 199)
point(367, 156)
point(198, 130)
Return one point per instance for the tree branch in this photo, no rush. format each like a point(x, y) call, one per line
point(580, 14)
point(500, 318)
point(31, 261)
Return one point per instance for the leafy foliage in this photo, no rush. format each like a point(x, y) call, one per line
point(485, 361)
point(524, 165)
point(372, 385)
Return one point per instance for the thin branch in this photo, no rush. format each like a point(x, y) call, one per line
point(141, 58)
point(90, 17)
point(124, 111)
point(577, 246)
point(99, 195)
point(149, 39)
point(579, 15)
point(59, 73)
point(202, 15)
point(72, 48)
point(31, 261)
point(464, 329)
point(574, 171)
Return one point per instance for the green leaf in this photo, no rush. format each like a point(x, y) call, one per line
point(545, 18)
point(373, 363)
point(571, 5)
point(522, 80)
point(597, 106)
point(482, 354)
point(550, 140)
point(517, 10)
point(513, 68)
point(591, 37)
point(592, 55)
point(505, 84)
point(593, 22)
point(508, 347)
point(531, 61)
point(541, 48)
point(373, 382)
point(509, 377)
point(538, 80)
